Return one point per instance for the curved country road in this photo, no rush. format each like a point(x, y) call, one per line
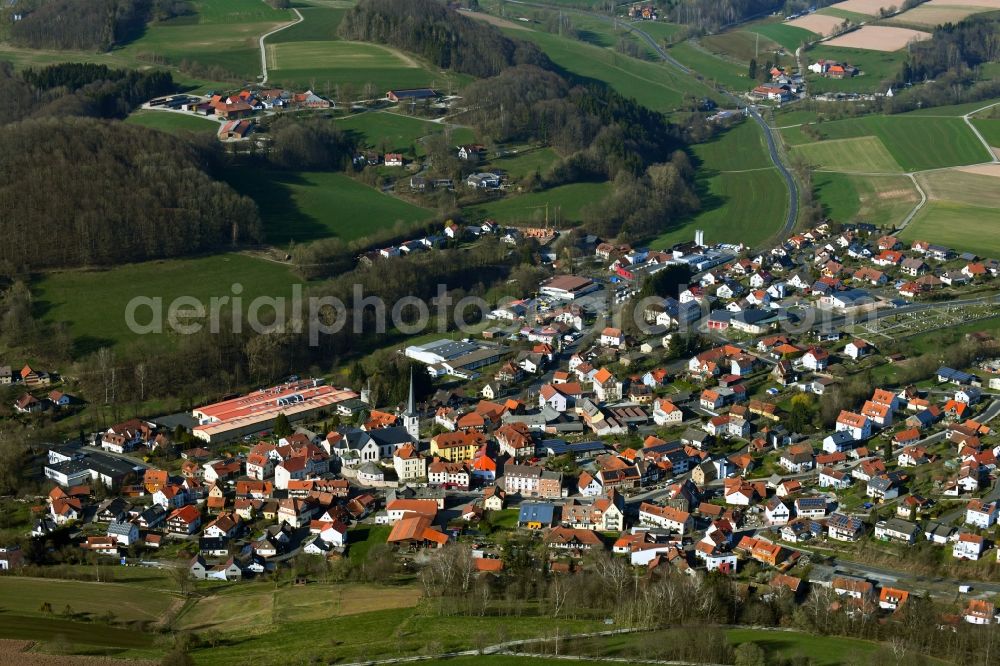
point(263, 49)
point(772, 146)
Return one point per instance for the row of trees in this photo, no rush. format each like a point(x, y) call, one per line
point(609, 587)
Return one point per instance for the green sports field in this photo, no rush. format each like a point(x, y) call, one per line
point(166, 121)
point(959, 226)
point(857, 154)
point(915, 143)
point(565, 203)
point(305, 206)
point(99, 322)
point(881, 200)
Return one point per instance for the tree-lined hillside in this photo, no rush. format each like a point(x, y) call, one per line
point(82, 192)
point(438, 34)
point(710, 15)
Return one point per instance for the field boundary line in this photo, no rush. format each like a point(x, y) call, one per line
point(263, 48)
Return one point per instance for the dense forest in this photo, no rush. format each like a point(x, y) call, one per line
point(951, 59)
point(954, 47)
point(82, 192)
point(86, 89)
point(88, 25)
point(438, 34)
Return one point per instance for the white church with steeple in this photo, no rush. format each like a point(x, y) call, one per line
point(410, 418)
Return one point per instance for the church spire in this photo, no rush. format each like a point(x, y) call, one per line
point(411, 420)
point(410, 406)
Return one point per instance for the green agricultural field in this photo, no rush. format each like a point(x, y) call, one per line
point(564, 202)
point(653, 84)
point(99, 322)
point(129, 602)
point(959, 226)
point(915, 143)
point(261, 603)
point(713, 68)
point(789, 36)
point(319, 24)
point(376, 635)
point(737, 149)
point(746, 207)
point(881, 200)
point(952, 110)
point(990, 129)
point(82, 637)
point(167, 121)
point(395, 132)
point(222, 34)
point(790, 118)
point(844, 14)
point(820, 650)
point(660, 30)
point(326, 64)
point(305, 206)
point(858, 154)
point(741, 45)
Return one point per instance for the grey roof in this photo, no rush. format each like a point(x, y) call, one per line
point(394, 435)
point(903, 526)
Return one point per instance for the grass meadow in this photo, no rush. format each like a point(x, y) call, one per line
point(858, 154)
point(68, 296)
point(881, 200)
point(960, 226)
point(565, 204)
point(653, 84)
point(302, 206)
point(173, 123)
point(915, 143)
